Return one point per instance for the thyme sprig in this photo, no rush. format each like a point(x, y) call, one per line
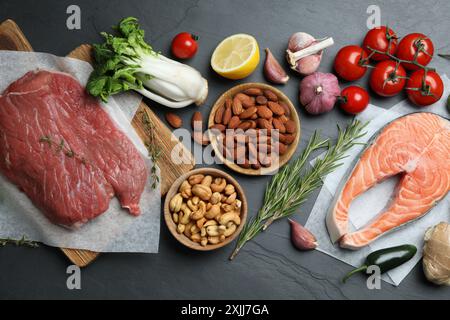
point(153, 151)
point(20, 242)
point(59, 147)
point(291, 186)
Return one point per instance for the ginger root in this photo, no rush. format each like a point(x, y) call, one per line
point(436, 254)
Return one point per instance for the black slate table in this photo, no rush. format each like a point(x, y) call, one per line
point(269, 267)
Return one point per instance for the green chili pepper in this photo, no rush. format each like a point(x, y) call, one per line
point(386, 259)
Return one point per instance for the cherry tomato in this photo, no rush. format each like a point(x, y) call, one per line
point(348, 63)
point(378, 39)
point(410, 45)
point(424, 90)
point(184, 45)
point(354, 99)
point(388, 78)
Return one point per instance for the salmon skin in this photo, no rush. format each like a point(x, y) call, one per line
point(415, 146)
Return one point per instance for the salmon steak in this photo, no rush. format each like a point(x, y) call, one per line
point(416, 147)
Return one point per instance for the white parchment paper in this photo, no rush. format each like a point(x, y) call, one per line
point(375, 200)
point(113, 231)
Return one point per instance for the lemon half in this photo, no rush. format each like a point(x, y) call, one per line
point(236, 57)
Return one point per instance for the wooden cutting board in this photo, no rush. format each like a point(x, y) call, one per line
point(12, 38)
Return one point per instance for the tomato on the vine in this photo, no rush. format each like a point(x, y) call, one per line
point(378, 39)
point(424, 89)
point(387, 78)
point(354, 99)
point(184, 45)
point(415, 44)
point(350, 62)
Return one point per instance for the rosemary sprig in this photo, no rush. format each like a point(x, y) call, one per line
point(21, 242)
point(289, 188)
point(153, 151)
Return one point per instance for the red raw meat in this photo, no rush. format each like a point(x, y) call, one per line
point(70, 188)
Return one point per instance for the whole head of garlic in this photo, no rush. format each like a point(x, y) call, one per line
point(436, 254)
point(319, 92)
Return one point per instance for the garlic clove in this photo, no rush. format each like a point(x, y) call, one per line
point(273, 70)
point(301, 237)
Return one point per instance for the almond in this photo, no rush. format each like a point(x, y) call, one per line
point(252, 124)
point(254, 117)
point(219, 114)
point(227, 113)
point(219, 127)
point(264, 112)
point(237, 106)
point(248, 113)
point(245, 125)
point(286, 138)
point(174, 120)
point(253, 92)
point(276, 108)
point(245, 164)
point(287, 110)
point(252, 152)
point(234, 122)
point(263, 124)
point(269, 94)
point(283, 118)
point(261, 100)
point(290, 126)
point(240, 153)
point(277, 124)
point(282, 148)
point(200, 138)
point(256, 166)
point(197, 121)
point(247, 102)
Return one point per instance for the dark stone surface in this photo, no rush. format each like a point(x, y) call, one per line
point(268, 267)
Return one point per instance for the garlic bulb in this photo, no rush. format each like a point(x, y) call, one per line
point(436, 254)
point(319, 92)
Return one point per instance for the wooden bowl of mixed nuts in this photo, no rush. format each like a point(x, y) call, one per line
point(254, 128)
point(205, 209)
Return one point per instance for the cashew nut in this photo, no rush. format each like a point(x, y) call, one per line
point(185, 190)
point(218, 185)
point(195, 179)
point(200, 212)
point(175, 217)
point(194, 229)
point(230, 216)
point(204, 242)
point(196, 237)
point(227, 207)
point(231, 228)
point(213, 240)
point(215, 198)
point(191, 206)
point(232, 198)
point(186, 216)
point(175, 203)
point(210, 223)
point(201, 222)
point(207, 181)
point(213, 231)
point(180, 228)
point(229, 189)
point(203, 232)
point(201, 191)
point(195, 200)
point(222, 238)
point(213, 212)
point(238, 204)
point(187, 230)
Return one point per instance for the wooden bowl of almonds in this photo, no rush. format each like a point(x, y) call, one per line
point(254, 128)
point(205, 209)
